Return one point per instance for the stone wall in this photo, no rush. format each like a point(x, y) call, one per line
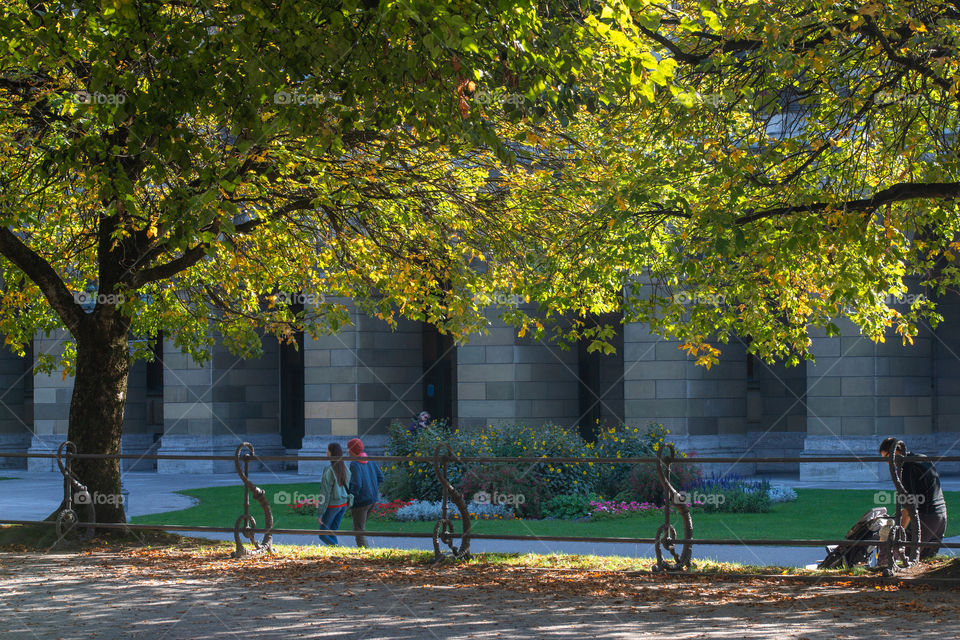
point(357, 382)
point(211, 408)
point(505, 379)
point(51, 404)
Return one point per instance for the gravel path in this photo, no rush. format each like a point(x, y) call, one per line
point(173, 594)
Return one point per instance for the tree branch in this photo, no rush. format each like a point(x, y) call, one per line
point(45, 277)
point(187, 259)
point(901, 192)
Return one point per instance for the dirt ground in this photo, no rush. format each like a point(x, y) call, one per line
point(165, 594)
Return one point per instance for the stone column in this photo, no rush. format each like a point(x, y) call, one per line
point(859, 392)
point(357, 382)
point(504, 379)
point(486, 377)
point(51, 404)
point(211, 408)
point(704, 409)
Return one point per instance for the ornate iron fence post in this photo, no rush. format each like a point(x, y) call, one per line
point(902, 547)
point(443, 531)
point(73, 492)
point(666, 534)
point(246, 524)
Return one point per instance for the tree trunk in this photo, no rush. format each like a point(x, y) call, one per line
point(96, 411)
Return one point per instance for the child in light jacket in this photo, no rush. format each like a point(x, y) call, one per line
point(334, 497)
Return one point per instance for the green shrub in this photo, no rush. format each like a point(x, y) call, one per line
point(643, 485)
point(546, 441)
point(417, 480)
point(538, 482)
point(624, 442)
point(568, 506)
point(524, 491)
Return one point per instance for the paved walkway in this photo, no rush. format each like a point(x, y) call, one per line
point(170, 595)
point(34, 495)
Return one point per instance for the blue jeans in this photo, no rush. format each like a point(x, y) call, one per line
point(331, 520)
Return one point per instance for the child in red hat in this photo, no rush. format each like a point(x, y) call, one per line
point(365, 479)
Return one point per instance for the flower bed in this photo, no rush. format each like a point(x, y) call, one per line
point(612, 509)
point(537, 483)
point(387, 510)
point(427, 510)
point(305, 507)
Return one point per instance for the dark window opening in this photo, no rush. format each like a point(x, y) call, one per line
point(155, 368)
point(439, 374)
point(601, 381)
point(154, 384)
point(28, 371)
point(292, 426)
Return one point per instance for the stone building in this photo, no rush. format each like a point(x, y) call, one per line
point(295, 401)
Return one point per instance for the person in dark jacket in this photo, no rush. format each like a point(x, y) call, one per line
point(922, 483)
point(422, 421)
point(365, 479)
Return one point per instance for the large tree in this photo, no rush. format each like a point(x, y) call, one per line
point(799, 164)
point(182, 166)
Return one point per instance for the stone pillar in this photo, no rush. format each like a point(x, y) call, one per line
point(51, 404)
point(357, 382)
point(486, 377)
point(547, 384)
point(389, 377)
point(704, 409)
point(330, 393)
point(655, 381)
point(211, 408)
point(504, 379)
point(859, 392)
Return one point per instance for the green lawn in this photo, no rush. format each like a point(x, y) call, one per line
point(816, 514)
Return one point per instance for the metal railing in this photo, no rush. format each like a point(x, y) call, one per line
point(898, 549)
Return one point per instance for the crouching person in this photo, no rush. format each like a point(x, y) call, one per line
point(922, 483)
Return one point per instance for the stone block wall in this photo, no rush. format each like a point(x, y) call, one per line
point(357, 382)
point(505, 379)
point(211, 408)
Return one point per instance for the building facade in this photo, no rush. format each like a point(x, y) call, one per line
point(294, 401)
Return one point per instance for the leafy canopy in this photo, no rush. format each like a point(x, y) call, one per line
point(799, 164)
point(193, 167)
